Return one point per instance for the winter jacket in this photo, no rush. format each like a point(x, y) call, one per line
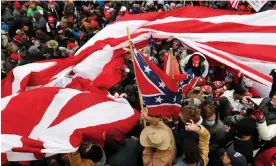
point(128, 154)
point(269, 111)
point(40, 22)
point(160, 157)
point(266, 132)
point(217, 133)
point(30, 11)
point(16, 14)
point(54, 10)
point(4, 39)
point(76, 160)
point(68, 9)
point(52, 31)
point(186, 63)
point(203, 144)
point(9, 64)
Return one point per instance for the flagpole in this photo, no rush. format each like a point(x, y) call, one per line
point(171, 64)
point(132, 55)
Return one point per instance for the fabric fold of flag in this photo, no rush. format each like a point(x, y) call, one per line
point(58, 121)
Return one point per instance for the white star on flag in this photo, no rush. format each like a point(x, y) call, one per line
point(147, 69)
point(161, 84)
point(174, 99)
point(159, 99)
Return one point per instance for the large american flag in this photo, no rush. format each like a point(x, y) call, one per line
point(242, 41)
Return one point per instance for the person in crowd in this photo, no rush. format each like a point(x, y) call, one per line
point(12, 61)
point(51, 26)
point(268, 104)
point(70, 50)
point(42, 37)
point(121, 150)
point(266, 155)
point(230, 157)
point(216, 129)
point(195, 153)
point(236, 99)
point(197, 63)
point(196, 93)
point(159, 143)
point(33, 7)
point(4, 36)
point(186, 114)
point(39, 21)
point(54, 9)
point(87, 155)
point(241, 136)
point(266, 132)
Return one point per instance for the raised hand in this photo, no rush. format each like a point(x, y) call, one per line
point(191, 126)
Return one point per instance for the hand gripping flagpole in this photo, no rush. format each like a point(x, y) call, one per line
point(171, 63)
point(139, 92)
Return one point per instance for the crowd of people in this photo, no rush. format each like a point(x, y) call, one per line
point(219, 123)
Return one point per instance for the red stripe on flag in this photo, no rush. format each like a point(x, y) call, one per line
point(71, 108)
point(22, 105)
point(252, 51)
point(196, 26)
point(188, 12)
point(255, 72)
point(95, 133)
point(166, 110)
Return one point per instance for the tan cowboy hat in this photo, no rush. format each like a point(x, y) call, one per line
point(153, 136)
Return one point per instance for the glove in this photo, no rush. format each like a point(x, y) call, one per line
point(273, 73)
point(258, 115)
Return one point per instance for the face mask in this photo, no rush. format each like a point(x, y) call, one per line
point(210, 122)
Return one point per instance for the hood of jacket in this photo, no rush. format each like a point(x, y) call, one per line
point(37, 15)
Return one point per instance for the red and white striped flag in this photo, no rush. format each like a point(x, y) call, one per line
point(242, 41)
point(234, 3)
point(46, 121)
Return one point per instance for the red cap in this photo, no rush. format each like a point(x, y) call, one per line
point(94, 23)
point(15, 56)
point(196, 60)
point(17, 5)
point(218, 84)
point(107, 15)
point(94, 17)
point(206, 88)
point(16, 39)
point(51, 19)
point(51, 2)
point(71, 45)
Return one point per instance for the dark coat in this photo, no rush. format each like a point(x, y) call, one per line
point(269, 111)
point(128, 154)
point(40, 22)
point(9, 64)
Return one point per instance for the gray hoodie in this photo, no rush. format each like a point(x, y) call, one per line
point(40, 22)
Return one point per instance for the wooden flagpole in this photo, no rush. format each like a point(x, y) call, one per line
point(132, 55)
point(171, 63)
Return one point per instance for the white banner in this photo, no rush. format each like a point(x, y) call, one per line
point(257, 4)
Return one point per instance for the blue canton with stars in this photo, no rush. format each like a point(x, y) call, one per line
point(165, 96)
